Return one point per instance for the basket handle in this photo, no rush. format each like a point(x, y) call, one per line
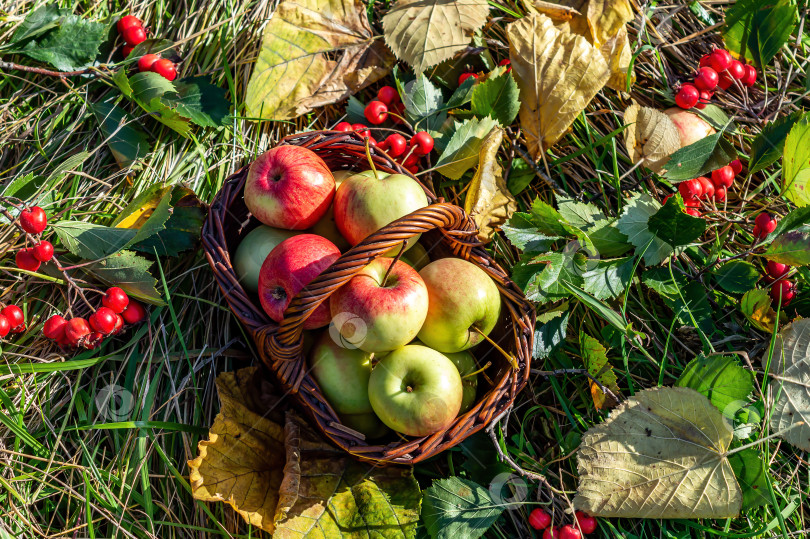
point(285, 341)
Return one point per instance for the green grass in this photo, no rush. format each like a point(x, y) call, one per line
point(73, 466)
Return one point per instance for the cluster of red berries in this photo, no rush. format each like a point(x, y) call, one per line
point(764, 224)
point(108, 320)
point(12, 320)
point(716, 69)
point(131, 29)
point(782, 290)
point(714, 188)
point(539, 519)
point(388, 100)
point(467, 74)
point(33, 220)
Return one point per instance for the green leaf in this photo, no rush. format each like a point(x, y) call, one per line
point(521, 175)
point(675, 227)
point(594, 354)
point(38, 22)
point(791, 248)
point(463, 147)
point(579, 214)
point(757, 30)
point(200, 101)
point(551, 333)
point(355, 111)
point(424, 103)
point(692, 299)
point(126, 139)
point(752, 475)
point(607, 239)
point(608, 278)
point(700, 158)
point(129, 271)
point(182, 230)
point(497, 97)
point(793, 220)
point(455, 508)
point(721, 379)
point(147, 89)
point(73, 44)
point(542, 278)
point(769, 145)
point(796, 163)
point(737, 276)
point(633, 223)
point(713, 114)
point(756, 307)
point(524, 235)
point(90, 241)
point(463, 94)
point(660, 280)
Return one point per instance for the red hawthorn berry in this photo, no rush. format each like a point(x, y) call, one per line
point(54, 327)
point(720, 60)
point(708, 187)
point(586, 523)
point(5, 326)
point(396, 144)
point(736, 166)
point(134, 35)
point(666, 198)
point(411, 160)
point(465, 76)
point(119, 324)
point(750, 77)
point(165, 68)
point(704, 60)
point(423, 142)
point(690, 189)
point(361, 129)
point(92, 341)
point(783, 292)
point(116, 299)
point(134, 313)
point(376, 112)
point(33, 220)
point(26, 260)
point(75, 330)
point(551, 533)
point(344, 126)
point(506, 62)
point(725, 81)
point(720, 193)
point(705, 99)
point(413, 169)
point(127, 50)
point(388, 95)
point(103, 320)
point(539, 519)
point(569, 532)
point(692, 211)
point(706, 79)
point(688, 96)
point(146, 61)
point(776, 270)
point(765, 222)
point(723, 177)
point(736, 69)
point(15, 317)
point(128, 21)
point(43, 251)
point(691, 202)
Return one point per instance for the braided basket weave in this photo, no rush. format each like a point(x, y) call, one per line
point(446, 229)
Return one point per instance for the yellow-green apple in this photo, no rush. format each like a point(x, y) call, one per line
point(368, 424)
point(326, 225)
point(415, 390)
point(292, 265)
point(289, 187)
point(342, 374)
point(463, 303)
point(253, 249)
point(416, 257)
point(465, 363)
point(386, 312)
point(367, 202)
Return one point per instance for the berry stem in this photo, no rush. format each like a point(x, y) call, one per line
point(41, 71)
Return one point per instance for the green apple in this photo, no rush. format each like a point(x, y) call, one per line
point(342, 374)
point(416, 257)
point(465, 363)
point(462, 301)
point(384, 308)
point(368, 424)
point(326, 226)
point(252, 251)
point(415, 390)
point(368, 201)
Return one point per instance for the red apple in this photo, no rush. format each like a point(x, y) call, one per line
point(292, 265)
point(289, 187)
point(385, 313)
point(326, 226)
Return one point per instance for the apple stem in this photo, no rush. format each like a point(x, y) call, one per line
point(370, 161)
point(506, 354)
point(396, 259)
point(482, 369)
point(409, 389)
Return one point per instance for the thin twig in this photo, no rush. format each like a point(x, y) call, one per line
point(42, 71)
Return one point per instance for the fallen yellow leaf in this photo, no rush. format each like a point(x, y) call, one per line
point(650, 136)
point(314, 52)
point(558, 73)
point(488, 201)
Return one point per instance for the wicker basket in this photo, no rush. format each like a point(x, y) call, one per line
point(445, 228)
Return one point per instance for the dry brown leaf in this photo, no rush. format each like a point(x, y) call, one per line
point(558, 73)
point(314, 52)
point(427, 32)
point(650, 136)
point(558, 12)
point(488, 201)
point(607, 17)
point(618, 55)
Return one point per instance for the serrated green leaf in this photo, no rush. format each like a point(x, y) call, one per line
point(608, 278)
point(521, 175)
point(737, 276)
point(769, 145)
point(633, 223)
point(463, 147)
point(126, 139)
point(90, 241)
point(796, 163)
point(130, 272)
point(37, 22)
point(182, 230)
point(700, 158)
point(660, 280)
point(542, 277)
point(675, 227)
point(791, 248)
point(147, 89)
point(713, 114)
point(355, 111)
point(71, 45)
point(579, 214)
point(757, 30)
point(463, 94)
point(793, 220)
point(693, 300)
point(756, 307)
point(200, 101)
point(752, 475)
point(721, 379)
point(424, 104)
point(551, 333)
point(456, 508)
point(497, 97)
point(607, 239)
point(524, 235)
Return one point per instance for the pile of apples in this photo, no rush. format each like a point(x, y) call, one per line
point(392, 345)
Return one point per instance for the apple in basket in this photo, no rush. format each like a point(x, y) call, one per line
point(289, 187)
